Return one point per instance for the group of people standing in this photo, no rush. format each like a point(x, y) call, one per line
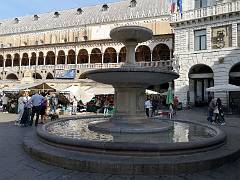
point(36, 105)
point(215, 108)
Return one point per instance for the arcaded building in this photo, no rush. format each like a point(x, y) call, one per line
point(77, 40)
point(207, 41)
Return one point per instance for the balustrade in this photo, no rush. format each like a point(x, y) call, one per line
point(218, 9)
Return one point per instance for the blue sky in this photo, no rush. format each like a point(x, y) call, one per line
point(16, 8)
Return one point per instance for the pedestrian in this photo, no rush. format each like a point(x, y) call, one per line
point(175, 105)
point(154, 106)
point(43, 109)
point(148, 106)
point(21, 104)
point(219, 117)
point(25, 116)
point(211, 108)
point(106, 106)
point(36, 101)
point(5, 100)
point(53, 103)
point(75, 103)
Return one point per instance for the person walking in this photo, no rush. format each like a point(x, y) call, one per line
point(106, 106)
point(26, 112)
point(211, 108)
point(21, 104)
point(36, 101)
point(43, 109)
point(5, 100)
point(53, 103)
point(148, 106)
point(75, 103)
point(220, 116)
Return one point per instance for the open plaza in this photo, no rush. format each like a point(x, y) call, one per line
point(134, 89)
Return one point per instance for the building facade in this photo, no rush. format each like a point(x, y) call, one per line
point(207, 49)
point(78, 39)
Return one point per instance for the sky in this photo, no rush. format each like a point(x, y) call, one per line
point(17, 8)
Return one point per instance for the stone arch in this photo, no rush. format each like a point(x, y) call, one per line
point(12, 76)
point(33, 60)
point(122, 54)
point(234, 74)
point(96, 56)
point(25, 60)
point(1, 61)
point(61, 57)
point(8, 62)
point(110, 55)
point(82, 56)
point(161, 52)
point(40, 58)
point(200, 78)
point(49, 76)
point(143, 53)
point(37, 76)
point(71, 58)
point(50, 58)
point(16, 60)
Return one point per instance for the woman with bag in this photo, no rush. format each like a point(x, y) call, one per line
point(220, 115)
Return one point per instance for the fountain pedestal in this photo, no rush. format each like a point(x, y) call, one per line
point(130, 82)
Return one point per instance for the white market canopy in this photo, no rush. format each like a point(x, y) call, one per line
point(224, 88)
point(86, 93)
point(79, 92)
point(30, 86)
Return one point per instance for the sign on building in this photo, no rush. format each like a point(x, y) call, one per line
point(65, 74)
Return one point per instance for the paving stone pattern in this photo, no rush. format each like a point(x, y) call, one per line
point(15, 164)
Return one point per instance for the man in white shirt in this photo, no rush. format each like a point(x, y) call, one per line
point(36, 101)
point(5, 102)
point(148, 106)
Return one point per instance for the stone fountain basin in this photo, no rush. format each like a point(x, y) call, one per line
point(131, 76)
point(135, 34)
point(173, 148)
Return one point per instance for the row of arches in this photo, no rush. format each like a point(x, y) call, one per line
point(143, 53)
point(13, 76)
point(201, 77)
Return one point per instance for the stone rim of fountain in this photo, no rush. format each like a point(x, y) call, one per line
point(172, 148)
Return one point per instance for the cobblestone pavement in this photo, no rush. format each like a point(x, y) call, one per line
point(15, 164)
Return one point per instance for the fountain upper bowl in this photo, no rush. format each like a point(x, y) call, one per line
point(124, 75)
point(135, 34)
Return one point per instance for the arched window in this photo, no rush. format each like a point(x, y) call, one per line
point(71, 58)
point(1, 61)
point(25, 60)
point(37, 76)
point(234, 75)
point(161, 52)
point(16, 60)
point(122, 54)
point(96, 56)
point(143, 53)
point(61, 57)
point(33, 59)
point(49, 76)
point(12, 76)
point(82, 56)
point(50, 58)
point(110, 55)
point(41, 58)
point(8, 62)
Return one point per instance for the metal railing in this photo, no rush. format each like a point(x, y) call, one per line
point(217, 9)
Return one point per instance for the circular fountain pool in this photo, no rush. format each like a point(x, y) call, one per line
point(181, 136)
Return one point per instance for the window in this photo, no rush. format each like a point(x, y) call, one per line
point(133, 3)
point(238, 35)
point(222, 37)
point(200, 3)
point(105, 7)
point(200, 40)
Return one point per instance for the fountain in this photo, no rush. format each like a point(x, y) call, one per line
point(128, 142)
